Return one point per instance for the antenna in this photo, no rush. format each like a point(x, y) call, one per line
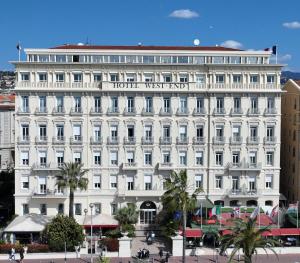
point(196, 42)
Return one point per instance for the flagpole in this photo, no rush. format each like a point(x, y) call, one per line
point(258, 216)
point(276, 53)
point(297, 214)
point(201, 215)
point(278, 215)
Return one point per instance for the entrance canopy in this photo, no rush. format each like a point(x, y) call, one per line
point(282, 232)
point(100, 220)
point(206, 203)
point(192, 232)
point(28, 223)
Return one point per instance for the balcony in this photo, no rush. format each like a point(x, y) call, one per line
point(244, 166)
point(41, 111)
point(270, 140)
point(113, 111)
point(76, 139)
point(165, 140)
point(253, 112)
point(37, 194)
point(132, 166)
point(182, 112)
point(23, 111)
point(40, 166)
point(165, 112)
point(147, 140)
point(218, 140)
point(198, 140)
point(138, 191)
point(59, 111)
point(253, 140)
point(199, 112)
point(165, 166)
point(236, 140)
point(96, 111)
point(236, 112)
point(219, 111)
point(148, 111)
point(41, 140)
point(129, 111)
point(112, 140)
point(77, 111)
point(23, 139)
point(129, 141)
point(270, 111)
point(182, 140)
point(96, 140)
point(242, 193)
point(58, 140)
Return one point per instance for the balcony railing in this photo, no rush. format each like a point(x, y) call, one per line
point(182, 112)
point(41, 139)
point(243, 165)
point(165, 140)
point(96, 111)
point(76, 139)
point(41, 111)
point(242, 192)
point(147, 140)
point(129, 140)
point(236, 140)
point(218, 139)
point(236, 111)
point(148, 111)
point(58, 139)
point(113, 111)
point(76, 111)
point(23, 111)
point(253, 112)
point(23, 139)
point(198, 140)
point(130, 166)
point(165, 112)
point(129, 111)
point(182, 140)
point(36, 193)
point(59, 111)
point(96, 140)
point(111, 140)
point(270, 140)
point(271, 111)
point(165, 166)
point(253, 140)
point(199, 111)
point(40, 166)
point(219, 111)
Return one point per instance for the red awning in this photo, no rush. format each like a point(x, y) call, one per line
point(272, 232)
point(192, 232)
point(226, 232)
point(289, 231)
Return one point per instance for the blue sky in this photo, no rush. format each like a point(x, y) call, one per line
point(254, 24)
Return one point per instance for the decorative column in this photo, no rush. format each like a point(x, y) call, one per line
point(125, 246)
point(177, 244)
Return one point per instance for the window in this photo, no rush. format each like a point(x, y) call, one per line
point(43, 159)
point(25, 132)
point(97, 104)
point(77, 77)
point(219, 182)
point(25, 209)
point(270, 103)
point(61, 208)
point(148, 104)
point(219, 158)
point(60, 132)
point(183, 59)
point(97, 181)
point(270, 133)
point(148, 181)
point(183, 78)
point(253, 133)
point(114, 77)
point(114, 104)
point(236, 132)
point(60, 77)
point(25, 182)
point(166, 157)
point(148, 132)
point(42, 182)
point(269, 181)
point(254, 104)
point(77, 104)
point(43, 132)
point(235, 183)
point(220, 78)
point(77, 132)
point(78, 209)
point(24, 103)
point(252, 158)
point(167, 78)
point(25, 158)
point(219, 132)
point(60, 58)
point(149, 77)
point(43, 209)
point(130, 77)
point(148, 158)
point(130, 182)
point(183, 133)
point(199, 131)
point(114, 132)
point(199, 104)
point(113, 208)
point(130, 132)
point(235, 60)
point(270, 158)
point(237, 78)
point(252, 183)
point(220, 105)
point(199, 180)
point(253, 78)
point(42, 104)
point(97, 158)
point(97, 207)
point(200, 78)
point(235, 158)
point(113, 181)
point(237, 104)
point(167, 105)
point(183, 105)
point(42, 77)
point(130, 157)
point(130, 104)
point(25, 76)
point(199, 158)
point(270, 79)
point(148, 59)
point(97, 77)
point(166, 132)
point(183, 158)
point(60, 158)
point(77, 157)
point(114, 158)
point(97, 133)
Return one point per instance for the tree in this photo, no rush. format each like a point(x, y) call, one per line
point(71, 176)
point(63, 229)
point(247, 237)
point(179, 198)
point(127, 216)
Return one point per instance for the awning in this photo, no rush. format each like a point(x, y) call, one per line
point(206, 203)
point(289, 231)
point(100, 220)
point(192, 232)
point(272, 232)
point(226, 232)
point(28, 223)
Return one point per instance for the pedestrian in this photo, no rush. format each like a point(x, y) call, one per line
point(161, 253)
point(167, 256)
point(12, 254)
point(21, 255)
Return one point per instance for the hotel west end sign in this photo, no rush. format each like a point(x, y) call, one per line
point(151, 85)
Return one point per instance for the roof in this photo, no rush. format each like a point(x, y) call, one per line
point(28, 223)
point(9, 98)
point(140, 47)
point(297, 81)
point(100, 220)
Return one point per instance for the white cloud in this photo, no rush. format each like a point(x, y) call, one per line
point(184, 13)
point(292, 25)
point(232, 44)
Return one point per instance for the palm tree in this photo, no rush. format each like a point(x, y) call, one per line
point(71, 176)
point(247, 237)
point(178, 197)
point(127, 216)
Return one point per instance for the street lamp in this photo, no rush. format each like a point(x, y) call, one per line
point(91, 206)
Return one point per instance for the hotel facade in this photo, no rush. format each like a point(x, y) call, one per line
point(133, 114)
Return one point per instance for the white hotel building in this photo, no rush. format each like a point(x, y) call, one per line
point(132, 114)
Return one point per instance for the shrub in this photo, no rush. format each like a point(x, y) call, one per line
point(32, 248)
point(63, 229)
point(112, 244)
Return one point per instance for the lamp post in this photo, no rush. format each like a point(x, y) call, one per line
point(91, 206)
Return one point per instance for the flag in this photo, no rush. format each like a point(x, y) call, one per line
point(237, 211)
point(254, 213)
point(275, 211)
point(177, 215)
point(19, 46)
point(216, 210)
point(274, 50)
